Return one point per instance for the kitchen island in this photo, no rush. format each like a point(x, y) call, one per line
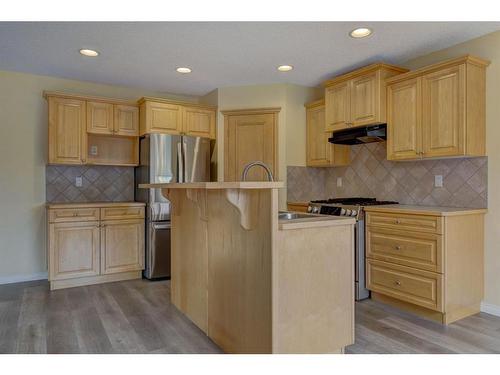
point(255, 283)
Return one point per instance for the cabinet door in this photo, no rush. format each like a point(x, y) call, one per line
point(337, 106)
point(320, 152)
point(73, 250)
point(99, 118)
point(163, 118)
point(250, 137)
point(67, 135)
point(122, 246)
point(126, 120)
point(404, 120)
point(443, 101)
point(364, 98)
point(199, 122)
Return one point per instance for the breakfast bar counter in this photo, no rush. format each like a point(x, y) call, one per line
point(254, 282)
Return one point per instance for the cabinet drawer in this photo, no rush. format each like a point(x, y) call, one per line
point(114, 213)
point(413, 249)
point(73, 214)
point(420, 223)
point(406, 284)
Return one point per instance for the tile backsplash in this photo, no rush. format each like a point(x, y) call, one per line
point(99, 184)
point(371, 175)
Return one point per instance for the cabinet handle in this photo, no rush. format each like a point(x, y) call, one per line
point(397, 282)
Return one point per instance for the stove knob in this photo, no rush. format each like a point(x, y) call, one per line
point(348, 212)
point(309, 209)
point(354, 213)
point(342, 212)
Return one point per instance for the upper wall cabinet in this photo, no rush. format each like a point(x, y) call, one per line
point(320, 152)
point(163, 116)
point(358, 98)
point(438, 111)
point(112, 119)
point(91, 130)
point(67, 134)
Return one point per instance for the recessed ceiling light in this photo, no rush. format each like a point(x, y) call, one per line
point(183, 70)
point(360, 32)
point(285, 68)
point(89, 52)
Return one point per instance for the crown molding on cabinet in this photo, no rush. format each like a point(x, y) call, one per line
point(250, 111)
point(438, 66)
point(362, 71)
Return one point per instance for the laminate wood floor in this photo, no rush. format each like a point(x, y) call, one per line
point(137, 317)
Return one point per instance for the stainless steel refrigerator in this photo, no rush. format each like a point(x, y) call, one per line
point(166, 158)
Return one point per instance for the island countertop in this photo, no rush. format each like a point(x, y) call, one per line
point(217, 185)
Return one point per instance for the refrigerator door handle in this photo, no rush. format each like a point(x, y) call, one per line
point(180, 161)
point(184, 152)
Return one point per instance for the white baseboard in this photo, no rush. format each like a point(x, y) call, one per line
point(22, 278)
point(490, 308)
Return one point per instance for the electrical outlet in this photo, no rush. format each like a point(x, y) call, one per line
point(78, 181)
point(438, 180)
point(339, 181)
point(93, 150)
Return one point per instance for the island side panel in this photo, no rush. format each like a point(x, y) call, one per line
point(239, 277)
point(313, 292)
point(189, 254)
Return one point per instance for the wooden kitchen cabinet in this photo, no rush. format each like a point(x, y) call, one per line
point(172, 117)
point(426, 260)
point(92, 130)
point(122, 246)
point(358, 98)
point(67, 132)
point(74, 250)
point(438, 111)
point(126, 120)
point(199, 122)
point(99, 118)
point(85, 249)
point(320, 152)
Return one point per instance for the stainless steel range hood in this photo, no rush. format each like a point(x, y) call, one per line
point(364, 134)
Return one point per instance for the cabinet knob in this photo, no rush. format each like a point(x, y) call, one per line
point(397, 282)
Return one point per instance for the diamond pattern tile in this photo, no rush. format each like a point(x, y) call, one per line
point(465, 180)
point(99, 184)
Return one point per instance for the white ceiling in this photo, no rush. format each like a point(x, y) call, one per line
point(221, 54)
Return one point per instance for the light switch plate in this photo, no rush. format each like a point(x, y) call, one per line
point(438, 180)
point(93, 150)
point(339, 181)
point(78, 181)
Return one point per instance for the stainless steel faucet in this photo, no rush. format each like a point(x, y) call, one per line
point(261, 164)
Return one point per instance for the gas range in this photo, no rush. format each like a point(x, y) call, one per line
point(352, 207)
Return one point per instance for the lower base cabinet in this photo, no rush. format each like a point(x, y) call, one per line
point(426, 261)
point(84, 250)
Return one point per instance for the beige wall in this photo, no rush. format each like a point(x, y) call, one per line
point(291, 120)
point(487, 47)
point(23, 154)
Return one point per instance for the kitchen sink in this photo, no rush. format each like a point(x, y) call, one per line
point(293, 215)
